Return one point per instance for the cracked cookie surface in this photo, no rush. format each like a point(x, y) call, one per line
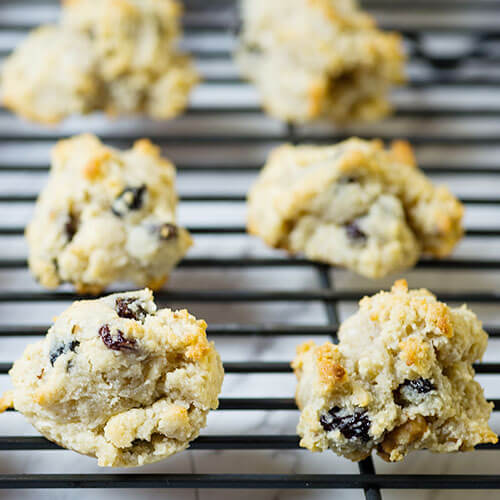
point(400, 379)
point(119, 56)
point(315, 59)
point(353, 204)
point(119, 380)
point(106, 216)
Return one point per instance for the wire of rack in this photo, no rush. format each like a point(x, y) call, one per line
point(443, 72)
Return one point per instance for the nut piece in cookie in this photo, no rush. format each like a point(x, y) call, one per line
point(119, 56)
point(354, 204)
point(400, 379)
point(119, 380)
point(315, 59)
point(106, 216)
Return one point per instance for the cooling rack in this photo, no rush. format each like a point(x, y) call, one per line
point(450, 110)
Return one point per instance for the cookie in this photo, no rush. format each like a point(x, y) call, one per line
point(117, 379)
point(52, 74)
point(106, 216)
point(312, 59)
point(135, 42)
point(119, 56)
point(353, 204)
point(400, 379)
point(128, 35)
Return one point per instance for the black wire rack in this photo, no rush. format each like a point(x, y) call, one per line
point(469, 68)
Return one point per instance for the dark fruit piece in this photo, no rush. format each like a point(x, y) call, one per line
point(354, 232)
point(407, 393)
point(71, 226)
point(62, 348)
point(55, 353)
point(354, 426)
point(118, 343)
point(131, 198)
point(168, 231)
point(420, 385)
point(347, 180)
point(56, 269)
point(253, 48)
point(125, 309)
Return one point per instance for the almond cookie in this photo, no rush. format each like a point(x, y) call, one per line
point(106, 216)
point(400, 379)
point(114, 55)
point(52, 74)
point(353, 204)
point(318, 59)
point(135, 42)
point(119, 380)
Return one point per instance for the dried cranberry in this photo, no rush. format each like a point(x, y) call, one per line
point(62, 348)
point(117, 343)
point(355, 233)
point(71, 226)
point(124, 310)
point(131, 198)
point(352, 426)
point(168, 231)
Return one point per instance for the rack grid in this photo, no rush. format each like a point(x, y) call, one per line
point(443, 71)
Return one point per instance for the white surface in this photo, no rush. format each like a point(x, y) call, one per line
point(241, 348)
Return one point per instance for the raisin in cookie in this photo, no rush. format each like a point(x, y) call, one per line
point(105, 216)
point(318, 58)
point(353, 204)
point(114, 55)
point(400, 379)
point(118, 380)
